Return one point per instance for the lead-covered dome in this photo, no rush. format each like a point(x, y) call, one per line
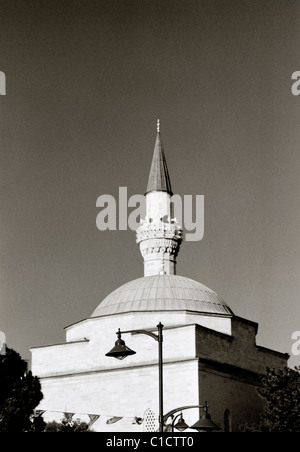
point(162, 293)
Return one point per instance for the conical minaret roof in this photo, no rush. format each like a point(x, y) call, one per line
point(159, 179)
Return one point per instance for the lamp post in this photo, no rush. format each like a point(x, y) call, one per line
point(121, 351)
point(204, 424)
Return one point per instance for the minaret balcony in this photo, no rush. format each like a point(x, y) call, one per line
point(161, 229)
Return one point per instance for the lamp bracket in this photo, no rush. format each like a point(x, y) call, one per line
point(148, 333)
point(182, 408)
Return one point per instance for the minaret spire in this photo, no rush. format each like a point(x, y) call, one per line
point(159, 235)
point(159, 179)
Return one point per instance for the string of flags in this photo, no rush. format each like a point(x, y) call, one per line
point(93, 417)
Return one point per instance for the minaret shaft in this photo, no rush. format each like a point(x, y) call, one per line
point(159, 236)
point(158, 205)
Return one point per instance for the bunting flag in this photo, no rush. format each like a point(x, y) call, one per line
point(114, 419)
point(93, 419)
point(38, 413)
point(68, 417)
point(137, 420)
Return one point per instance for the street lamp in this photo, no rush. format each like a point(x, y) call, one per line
point(204, 424)
point(121, 351)
point(181, 425)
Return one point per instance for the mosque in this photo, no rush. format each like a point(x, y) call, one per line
point(209, 355)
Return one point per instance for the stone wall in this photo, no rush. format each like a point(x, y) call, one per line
point(126, 392)
point(200, 364)
point(238, 349)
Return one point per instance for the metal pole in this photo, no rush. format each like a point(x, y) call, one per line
point(173, 421)
point(160, 372)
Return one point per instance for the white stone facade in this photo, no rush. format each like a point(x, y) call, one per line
point(77, 377)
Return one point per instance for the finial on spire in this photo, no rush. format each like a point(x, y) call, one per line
point(158, 125)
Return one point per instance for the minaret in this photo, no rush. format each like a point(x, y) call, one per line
point(159, 235)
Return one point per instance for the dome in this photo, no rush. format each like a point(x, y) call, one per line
point(162, 293)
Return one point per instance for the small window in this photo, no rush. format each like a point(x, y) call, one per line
point(227, 421)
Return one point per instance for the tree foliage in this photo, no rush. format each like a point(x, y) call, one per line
point(280, 390)
point(20, 393)
point(66, 426)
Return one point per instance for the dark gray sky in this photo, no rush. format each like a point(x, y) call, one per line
point(86, 81)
